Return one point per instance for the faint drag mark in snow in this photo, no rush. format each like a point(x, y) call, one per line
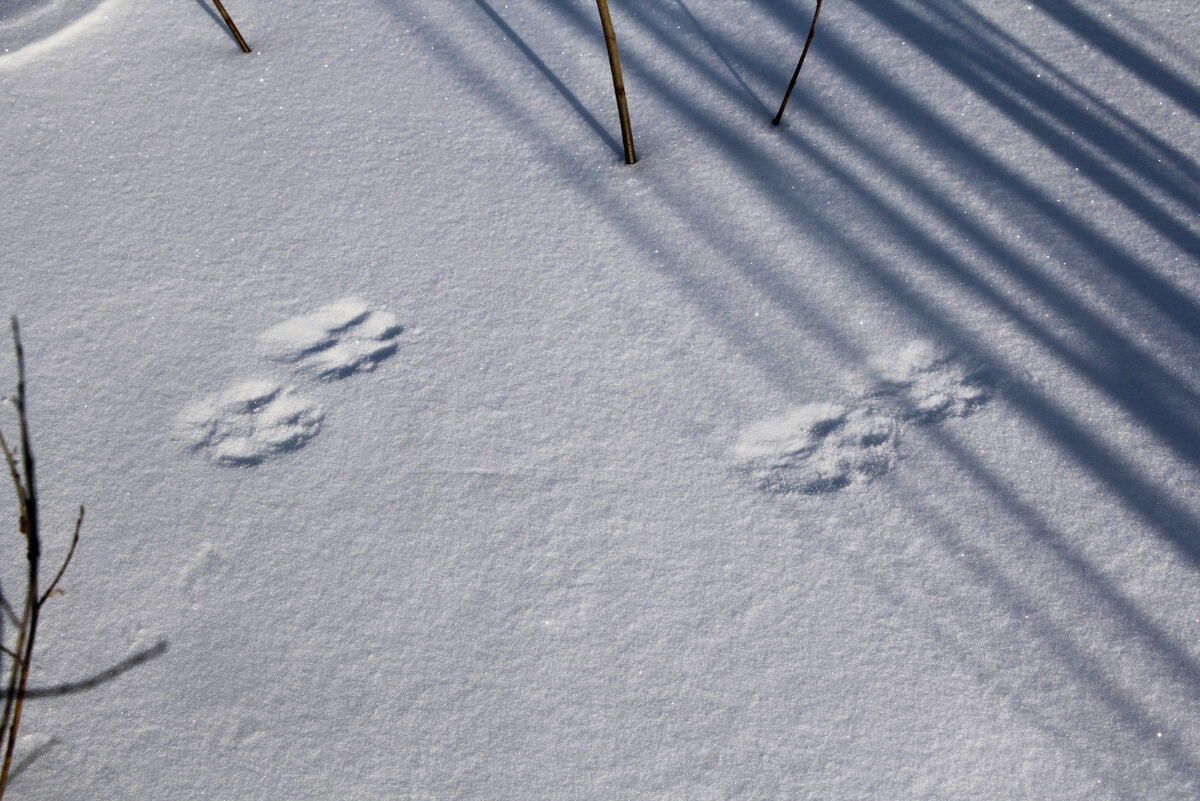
point(819, 447)
point(335, 341)
point(251, 422)
point(29, 27)
point(927, 384)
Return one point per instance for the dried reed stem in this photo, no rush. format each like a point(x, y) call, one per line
point(232, 28)
point(614, 61)
point(811, 31)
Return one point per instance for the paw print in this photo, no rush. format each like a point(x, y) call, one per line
point(250, 422)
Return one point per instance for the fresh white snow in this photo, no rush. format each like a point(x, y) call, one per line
point(856, 458)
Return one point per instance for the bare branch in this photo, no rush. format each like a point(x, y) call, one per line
point(31, 504)
point(67, 561)
point(12, 470)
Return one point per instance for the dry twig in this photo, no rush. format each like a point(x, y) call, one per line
point(803, 53)
point(21, 471)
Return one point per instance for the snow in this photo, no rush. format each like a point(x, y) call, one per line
point(453, 458)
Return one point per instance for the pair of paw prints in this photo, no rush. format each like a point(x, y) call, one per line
point(823, 447)
point(258, 419)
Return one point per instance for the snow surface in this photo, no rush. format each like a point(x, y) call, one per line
point(452, 458)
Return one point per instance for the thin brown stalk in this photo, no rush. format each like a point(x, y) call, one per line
point(614, 61)
point(7, 732)
point(795, 75)
point(21, 470)
point(31, 505)
point(27, 623)
point(9, 703)
point(232, 28)
point(12, 470)
point(70, 552)
point(26, 662)
point(9, 612)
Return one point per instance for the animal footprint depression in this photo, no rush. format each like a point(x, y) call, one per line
point(335, 341)
point(818, 447)
point(251, 422)
point(929, 385)
point(823, 447)
point(259, 419)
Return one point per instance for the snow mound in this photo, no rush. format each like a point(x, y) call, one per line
point(818, 447)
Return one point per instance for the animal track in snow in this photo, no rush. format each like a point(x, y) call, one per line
point(928, 384)
point(823, 447)
point(259, 419)
point(335, 341)
point(818, 447)
point(251, 422)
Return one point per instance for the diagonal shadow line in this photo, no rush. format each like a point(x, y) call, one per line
point(1040, 534)
point(1161, 402)
point(1134, 717)
point(31, 757)
point(1155, 507)
point(1040, 109)
point(1124, 266)
point(104, 676)
point(1172, 520)
point(208, 9)
point(1179, 306)
point(1110, 255)
point(1168, 517)
point(1102, 685)
point(712, 44)
point(549, 75)
point(1134, 58)
point(1106, 690)
point(1176, 523)
point(1151, 154)
point(639, 230)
